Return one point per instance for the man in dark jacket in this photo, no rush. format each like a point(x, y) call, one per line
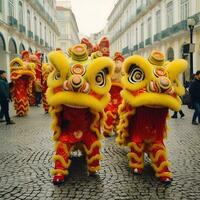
point(195, 95)
point(4, 97)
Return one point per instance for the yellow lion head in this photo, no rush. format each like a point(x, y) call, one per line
point(152, 81)
point(19, 68)
point(79, 80)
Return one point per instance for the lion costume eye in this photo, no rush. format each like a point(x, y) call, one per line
point(16, 64)
point(100, 79)
point(57, 75)
point(136, 75)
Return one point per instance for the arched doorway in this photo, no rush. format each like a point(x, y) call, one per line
point(2, 43)
point(170, 54)
point(21, 47)
point(3, 63)
point(30, 50)
point(12, 47)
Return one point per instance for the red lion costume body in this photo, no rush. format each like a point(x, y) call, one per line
point(77, 94)
point(111, 109)
point(150, 88)
point(22, 75)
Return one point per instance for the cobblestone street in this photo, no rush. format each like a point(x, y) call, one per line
point(25, 160)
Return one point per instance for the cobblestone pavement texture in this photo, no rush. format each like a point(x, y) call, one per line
point(25, 160)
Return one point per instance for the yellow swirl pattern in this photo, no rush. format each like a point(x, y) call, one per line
point(123, 123)
point(55, 126)
point(139, 164)
point(155, 158)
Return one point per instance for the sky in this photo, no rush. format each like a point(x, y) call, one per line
point(91, 15)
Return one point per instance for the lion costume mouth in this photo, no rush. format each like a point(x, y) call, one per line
point(156, 100)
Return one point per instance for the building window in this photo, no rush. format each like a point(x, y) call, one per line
point(184, 9)
point(28, 20)
point(50, 38)
point(1, 6)
point(142, 32)
point(45, 34)
point(20, 13)
point(11, 7)
point(158, 21)
point(149, 26)
point(170, 54)
point(35, 25)
point(170, 14)
point(40, 30)
point(136, 35)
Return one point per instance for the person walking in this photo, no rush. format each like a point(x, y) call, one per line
point(195, 95)
point(175, 115)
point(4, 97)
point(38, 92)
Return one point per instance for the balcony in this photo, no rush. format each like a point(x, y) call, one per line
point(148, 41)
point(125, 50)
point(179, 26)
point(37, 5)
point(157, 37)
point(36, 38)
point(135, 47)
point(22, 28)
point(30, 34)
point(119, 13)
point(12, 21)
point(141, 45)
point(41, 41)
point(165, 33)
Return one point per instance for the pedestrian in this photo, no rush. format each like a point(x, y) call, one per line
point(195, 95)
point(38, 92)
point(4, 97)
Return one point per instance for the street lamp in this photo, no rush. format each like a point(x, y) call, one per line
point(191, 23)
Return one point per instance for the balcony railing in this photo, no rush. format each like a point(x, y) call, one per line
point(12, 21)
point(126, 2)
point(179, 26)
point(125, 50)
point(41, 41)
point(148, 41)
point(37, 5)
point(141, 45)
point(37, 38)
point(157, 37)
point(30, 34)
point(22, 28)
point(139, 11)
point(165, 33)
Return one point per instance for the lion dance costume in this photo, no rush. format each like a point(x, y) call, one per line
point(111, 110)
point(22, 75)
point(88, 44)
point(38, 73)
point(78, 91)
point(150, 88)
